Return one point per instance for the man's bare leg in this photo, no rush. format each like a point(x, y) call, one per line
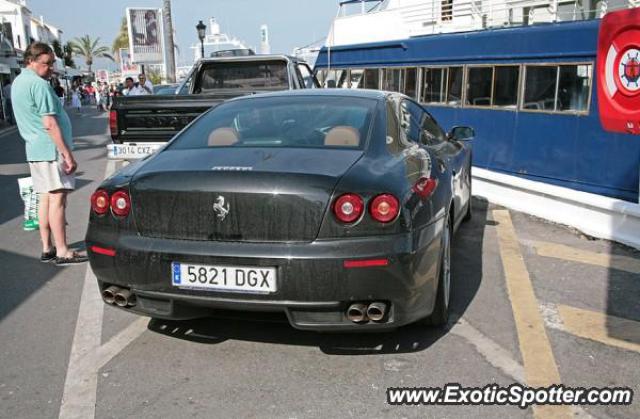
point(43, 220)
point(57, 203)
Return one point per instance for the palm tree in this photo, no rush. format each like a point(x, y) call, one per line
point(121, 40)
point(89, 49)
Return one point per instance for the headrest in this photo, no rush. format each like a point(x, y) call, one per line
point(342, 135)
point(223, 136)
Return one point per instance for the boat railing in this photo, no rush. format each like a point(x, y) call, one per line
point(427, 17)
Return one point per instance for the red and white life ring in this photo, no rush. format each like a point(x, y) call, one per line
point(619, 71)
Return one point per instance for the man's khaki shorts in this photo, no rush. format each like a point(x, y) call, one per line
point(49, 176)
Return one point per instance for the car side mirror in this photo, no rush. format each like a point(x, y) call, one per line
point(461, 134)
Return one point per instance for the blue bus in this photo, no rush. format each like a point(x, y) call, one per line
point(529, 92)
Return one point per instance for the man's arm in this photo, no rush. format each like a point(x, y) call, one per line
point(53, 129)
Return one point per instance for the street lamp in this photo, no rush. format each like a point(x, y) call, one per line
point(201, 28)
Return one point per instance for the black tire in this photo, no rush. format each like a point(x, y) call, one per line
point(440, 315)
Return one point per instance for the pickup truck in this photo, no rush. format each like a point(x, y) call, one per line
point(157, 118)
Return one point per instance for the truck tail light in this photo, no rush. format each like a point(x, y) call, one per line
point(113, 124)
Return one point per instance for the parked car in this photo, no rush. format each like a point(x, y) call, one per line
point(336, 207)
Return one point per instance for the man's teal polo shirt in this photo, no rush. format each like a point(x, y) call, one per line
point(32, 98)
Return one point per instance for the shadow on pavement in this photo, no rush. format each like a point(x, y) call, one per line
point(23, 277)
point(623, 292)
point(274, 327)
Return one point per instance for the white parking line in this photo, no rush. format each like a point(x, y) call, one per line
point(79, 396)
point(87, 355)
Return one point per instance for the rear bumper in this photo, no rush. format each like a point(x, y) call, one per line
point(314, 287)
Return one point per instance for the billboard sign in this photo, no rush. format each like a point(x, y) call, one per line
point(127, 67)
point(102, 75)
point(145, 35)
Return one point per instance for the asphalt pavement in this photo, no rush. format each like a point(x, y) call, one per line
point(533, 302)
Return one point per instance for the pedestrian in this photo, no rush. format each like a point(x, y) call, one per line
point(59, 92)
point(130, 89)
point(75, 99)
point(145, 85)
point(6, 94)
point(46, 129)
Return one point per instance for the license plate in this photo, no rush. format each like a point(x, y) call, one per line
point(249, 279)
point(131, 150)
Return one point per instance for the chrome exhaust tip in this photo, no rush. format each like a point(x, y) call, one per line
point(357, 313)
point(125, 298)
point(109, 294)
point(376, 311)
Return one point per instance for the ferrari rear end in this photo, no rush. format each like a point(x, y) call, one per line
point(301, 218)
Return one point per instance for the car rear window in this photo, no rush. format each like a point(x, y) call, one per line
point(243, 75)
point(282, 121)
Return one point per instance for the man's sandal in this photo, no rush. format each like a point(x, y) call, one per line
point(76, 258)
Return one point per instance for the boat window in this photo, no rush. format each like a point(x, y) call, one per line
point(479, 81)
point(446, 10)
point(371, 78)
point(391, 79)
point(321, 75)
point(307, 77)
point(410, 82)
point(454, 86)
point(505, 86)
point(540, 88)
point(336, 78)
point(573, 88)
point(357, 79)
point(434, 87)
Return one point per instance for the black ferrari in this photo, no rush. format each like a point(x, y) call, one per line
point(334, 207)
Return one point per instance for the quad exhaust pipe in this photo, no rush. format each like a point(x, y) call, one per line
point(109, 294)
point(360, 313)
point(121, 297)
point(376, 311)
point(357, 313)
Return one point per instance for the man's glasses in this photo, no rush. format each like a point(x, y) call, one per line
point(47, 63)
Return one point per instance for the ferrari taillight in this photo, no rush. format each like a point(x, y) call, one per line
point(113, 124)
point(120, 203)
point(348, 208)
point(100, 202)
point(425, 186)
point(384, 208)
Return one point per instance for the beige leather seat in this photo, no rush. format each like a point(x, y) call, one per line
point(342, 135)
point(223, 136)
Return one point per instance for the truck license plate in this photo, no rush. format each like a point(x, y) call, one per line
point(132, 151)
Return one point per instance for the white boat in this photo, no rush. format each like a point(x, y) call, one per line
point(216, 41)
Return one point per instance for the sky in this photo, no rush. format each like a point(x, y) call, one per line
point(292, 23)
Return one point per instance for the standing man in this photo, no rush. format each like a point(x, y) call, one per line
point(145, 85)
point(129, 87)
point(46, 129)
